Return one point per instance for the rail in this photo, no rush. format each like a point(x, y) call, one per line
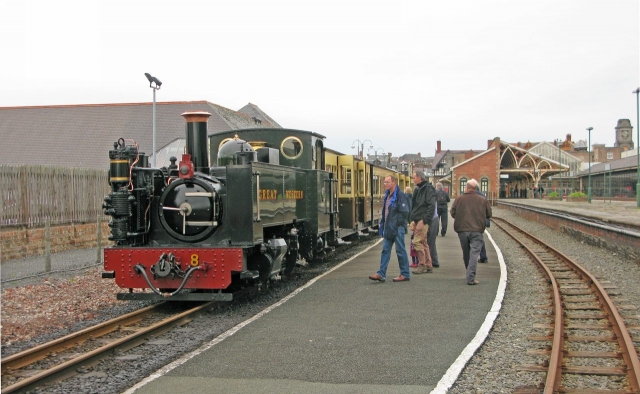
point(18, 361)
point(556, 265)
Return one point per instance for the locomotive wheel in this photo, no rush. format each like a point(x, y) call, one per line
point(263, 264)
point(290, 262)
point(319, 259)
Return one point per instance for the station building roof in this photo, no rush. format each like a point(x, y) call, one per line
point(82, 135)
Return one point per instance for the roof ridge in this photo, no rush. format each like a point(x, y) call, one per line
point(107, 105)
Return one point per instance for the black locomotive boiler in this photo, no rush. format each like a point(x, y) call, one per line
point(194, 232)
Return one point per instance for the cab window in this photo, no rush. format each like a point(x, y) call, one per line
point(291, 147)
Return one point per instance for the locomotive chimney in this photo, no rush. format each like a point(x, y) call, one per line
point(196, 131)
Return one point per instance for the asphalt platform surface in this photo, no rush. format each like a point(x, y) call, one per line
point(344, 333)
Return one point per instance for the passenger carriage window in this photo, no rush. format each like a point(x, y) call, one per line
point(345, 180)
point(291, 147)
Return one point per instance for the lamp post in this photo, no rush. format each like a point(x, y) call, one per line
point(360, 146)
point(560, 161)
point(154, 83)
point(376, 152)
point(589, 151)
point(637, 93)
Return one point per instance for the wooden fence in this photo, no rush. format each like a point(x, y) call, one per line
point(32, 194)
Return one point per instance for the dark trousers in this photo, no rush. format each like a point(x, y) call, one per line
point(471, 243)
point(483, 251)
point(432, 234)
point(443, 214)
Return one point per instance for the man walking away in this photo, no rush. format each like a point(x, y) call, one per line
point(470, 212)
point(422, 213)
point(442, 197)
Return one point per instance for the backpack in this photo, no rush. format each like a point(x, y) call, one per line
point(442, 196)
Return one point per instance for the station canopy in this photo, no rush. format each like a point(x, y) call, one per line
point(540, 161)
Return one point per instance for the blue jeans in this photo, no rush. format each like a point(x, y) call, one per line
point(483, 251)
point(401, 252)
point(471, 243)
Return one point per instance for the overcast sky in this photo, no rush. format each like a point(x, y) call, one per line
point(402, 74)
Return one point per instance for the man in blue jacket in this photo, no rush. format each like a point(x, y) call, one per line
point(393, 227)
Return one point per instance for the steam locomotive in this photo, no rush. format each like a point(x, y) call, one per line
point(190, 232)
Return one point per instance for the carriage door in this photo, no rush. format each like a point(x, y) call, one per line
point(363, 198)
point(346, 192)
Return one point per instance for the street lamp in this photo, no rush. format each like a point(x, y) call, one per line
point(637, 93)
point(360, 146)
point(376, 152)
point(560, 161)
point(589, 151)
point(154, 83)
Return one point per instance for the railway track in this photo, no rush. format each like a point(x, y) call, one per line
point(614, 226)
point(59, 359)
point(585, 315)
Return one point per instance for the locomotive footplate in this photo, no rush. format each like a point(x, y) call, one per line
point(166, 271)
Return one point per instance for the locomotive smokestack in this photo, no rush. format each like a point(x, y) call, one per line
point(196, 130)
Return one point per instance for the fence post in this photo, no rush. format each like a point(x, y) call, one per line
point(99, 243)
point(47, 245)
point(24, 212)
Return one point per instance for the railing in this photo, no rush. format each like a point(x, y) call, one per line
point(29, 195)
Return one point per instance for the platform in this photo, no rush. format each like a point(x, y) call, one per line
point(625, 212)
point(343, 333)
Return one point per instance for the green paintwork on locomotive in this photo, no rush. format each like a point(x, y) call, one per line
point(284, 194)
point(288, 192)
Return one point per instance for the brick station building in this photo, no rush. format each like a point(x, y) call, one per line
point(502, 168)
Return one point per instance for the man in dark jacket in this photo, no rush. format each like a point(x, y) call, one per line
point(470, 212)
point(393, 227)
point(422, 212)
point(443, 199)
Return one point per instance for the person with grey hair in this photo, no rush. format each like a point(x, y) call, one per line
point(443, 199)
point(422, 213)
point(470, 212)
